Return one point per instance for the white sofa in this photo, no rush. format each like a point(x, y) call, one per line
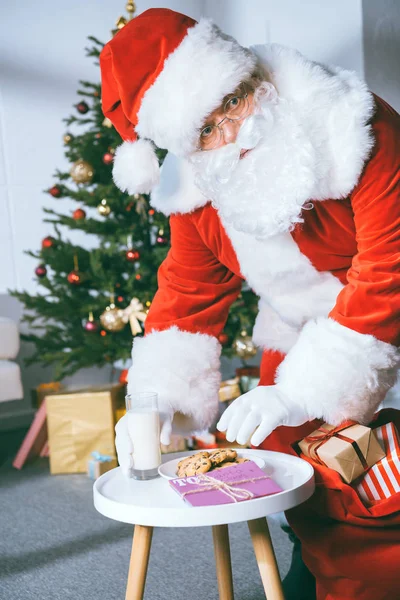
point(10, 373)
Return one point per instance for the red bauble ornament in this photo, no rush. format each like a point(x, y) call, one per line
point(48, 242)
point(108, 158)
point(103, 333)
point(82, 107)
point(98, 136)
point(138, 276)
point(120, 299)
point(123, 378)
point(41, 271)
point(151, 212)
point(55, 191)
point(78, 214)
point(132, 255)
point(74, 278)
point(91, 326)
point(223, 338)
point(162, 240)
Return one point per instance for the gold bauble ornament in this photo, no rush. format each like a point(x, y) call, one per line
point(103, 208)
point(67, 138)
point(244, 346)
point(82, 172)
point(112, 318)
point(107, 123)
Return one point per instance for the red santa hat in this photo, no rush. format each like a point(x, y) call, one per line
point(162, 74)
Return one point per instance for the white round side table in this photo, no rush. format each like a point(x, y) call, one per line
point(148, 504)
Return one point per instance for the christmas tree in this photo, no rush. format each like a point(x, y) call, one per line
point(92, 301)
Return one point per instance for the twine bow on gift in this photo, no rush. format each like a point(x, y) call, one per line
point(101, 457)
point(134, 313)
point(208, 483)
point(317, 440)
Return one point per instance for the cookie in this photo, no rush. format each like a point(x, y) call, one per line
point(239, 461)
point(230, 463)
point(190, 458)
point(221, 455)
point(198, 464)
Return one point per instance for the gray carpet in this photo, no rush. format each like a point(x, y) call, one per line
point(55, 546)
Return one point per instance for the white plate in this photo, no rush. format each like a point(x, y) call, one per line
point(168, 469)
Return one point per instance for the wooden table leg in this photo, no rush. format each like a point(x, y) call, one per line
point(139, 561)
point(266, 560)
point(223, 561)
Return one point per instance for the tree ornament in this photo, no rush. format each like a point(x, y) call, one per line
point(82, 107)
point(123, 378)
point(55, 191)
point(151, 212)
point(108, 158)
point(132, 255)
point(75, 277)
point(134, 313)
point(130, 8)
point(103, 333)
point(48, 242)
point(41, 271)
point(98, 135)
point(90, 325)
point(223, 339)
point(107, 123)
point(120, 299)
point(111, 318)
point(244, 346)
point(138, 276)
point(68, 137)
point(161, 240)
point(82, 172)
point(103, 208)
point(79, 214)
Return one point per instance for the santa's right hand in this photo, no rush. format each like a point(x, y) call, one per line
point(124, 445)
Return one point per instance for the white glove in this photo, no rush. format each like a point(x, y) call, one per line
point(258, 413)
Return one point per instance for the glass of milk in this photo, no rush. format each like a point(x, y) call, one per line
point(144, 431)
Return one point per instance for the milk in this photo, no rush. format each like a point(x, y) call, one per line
point(144, 432)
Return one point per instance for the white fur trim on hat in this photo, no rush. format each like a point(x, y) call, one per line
point(136, 169)
point(337, 373)
point(183, 368)
point(206, 66)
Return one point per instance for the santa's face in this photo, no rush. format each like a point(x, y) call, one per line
point(262, 175)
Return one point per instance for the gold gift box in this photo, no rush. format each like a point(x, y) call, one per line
point(80, 422)
point(350, 457)
point(229, 390)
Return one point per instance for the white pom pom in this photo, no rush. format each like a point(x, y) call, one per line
point(136, 169)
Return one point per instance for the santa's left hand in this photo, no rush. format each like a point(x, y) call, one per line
point(257, 413)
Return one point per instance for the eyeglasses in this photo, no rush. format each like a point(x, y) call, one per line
point(236, 107)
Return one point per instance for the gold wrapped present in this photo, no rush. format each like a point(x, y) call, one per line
point(350, 449)
point(80, 422)
point(229, 390)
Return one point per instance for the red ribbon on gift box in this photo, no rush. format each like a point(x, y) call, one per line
point(316, 441)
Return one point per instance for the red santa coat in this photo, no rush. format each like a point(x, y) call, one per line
point(329, 316)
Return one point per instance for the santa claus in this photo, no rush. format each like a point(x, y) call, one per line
point(284, 173)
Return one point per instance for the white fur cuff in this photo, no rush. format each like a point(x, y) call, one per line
point(183, 368)
point(336, 373)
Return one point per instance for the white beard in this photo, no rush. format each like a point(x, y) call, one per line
point(264, 193)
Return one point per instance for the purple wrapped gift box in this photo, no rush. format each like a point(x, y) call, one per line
point(240, 482)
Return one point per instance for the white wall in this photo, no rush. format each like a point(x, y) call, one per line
point(322, 30)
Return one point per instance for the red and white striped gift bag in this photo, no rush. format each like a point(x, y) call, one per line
point(383, 479)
